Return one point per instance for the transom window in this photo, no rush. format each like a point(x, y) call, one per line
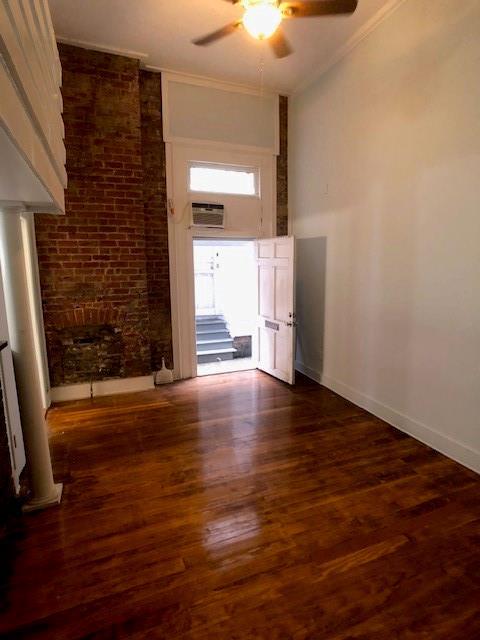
point(220, 178)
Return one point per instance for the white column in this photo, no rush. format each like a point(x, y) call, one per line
point(21, 337)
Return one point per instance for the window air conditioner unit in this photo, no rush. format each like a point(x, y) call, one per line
point(208, 215)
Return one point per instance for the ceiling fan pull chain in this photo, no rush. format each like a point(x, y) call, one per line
point(262, 73)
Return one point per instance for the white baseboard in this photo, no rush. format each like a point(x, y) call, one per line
point(101, 388)
point(453, 449)
point(48, 398)
point(307, 371)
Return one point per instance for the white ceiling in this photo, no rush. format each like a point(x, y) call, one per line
point(160, 32)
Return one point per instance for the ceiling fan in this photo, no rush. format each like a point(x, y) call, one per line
point(262, 19)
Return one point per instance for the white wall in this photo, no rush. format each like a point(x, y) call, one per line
point(385, 173)
point(220, 114)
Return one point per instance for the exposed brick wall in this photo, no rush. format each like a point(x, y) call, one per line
point(282, 171)
point(156, 221)
point(94, 258)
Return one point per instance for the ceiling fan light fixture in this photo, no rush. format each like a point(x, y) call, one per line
point(261, 20)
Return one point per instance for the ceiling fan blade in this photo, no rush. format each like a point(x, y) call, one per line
point(216, 35)
point(311, 8)
point(280, 45)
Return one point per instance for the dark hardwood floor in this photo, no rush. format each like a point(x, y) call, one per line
point(235, 507)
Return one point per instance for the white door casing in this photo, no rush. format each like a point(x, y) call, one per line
point(245, 217)
point(276, 307)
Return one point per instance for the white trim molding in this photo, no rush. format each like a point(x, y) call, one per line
point(260, 224)
point(103, 48)
point(240, 87)
point(307, 371)
point(451, 448)
point(366, 29)
point(205, 81)
point(222, 146)
point(144, 57)
point(81, 391)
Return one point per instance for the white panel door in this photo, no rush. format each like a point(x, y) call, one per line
point(276, 307)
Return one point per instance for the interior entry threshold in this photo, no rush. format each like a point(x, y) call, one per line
point(229, 366)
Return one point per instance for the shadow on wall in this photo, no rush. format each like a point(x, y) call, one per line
point(311, 266)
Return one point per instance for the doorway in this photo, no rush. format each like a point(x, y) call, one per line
point(225, 275)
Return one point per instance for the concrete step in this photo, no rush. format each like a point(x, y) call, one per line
point(203, 319)
point(209, 318)
point(215, 334)
point(211, 324)
point(214, 341)
point(210, 345)
point(215, 355)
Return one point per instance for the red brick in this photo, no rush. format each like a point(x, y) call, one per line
point(101, 97)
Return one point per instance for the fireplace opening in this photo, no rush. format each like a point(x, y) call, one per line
point(92, 352)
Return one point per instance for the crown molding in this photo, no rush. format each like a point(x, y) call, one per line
point(103, 48)
point(365, 30)
point(209, 81)
point(143, 58)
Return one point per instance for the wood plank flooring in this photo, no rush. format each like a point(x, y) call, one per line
point(234, 507)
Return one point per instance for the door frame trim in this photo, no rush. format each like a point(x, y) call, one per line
point(180, 252)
